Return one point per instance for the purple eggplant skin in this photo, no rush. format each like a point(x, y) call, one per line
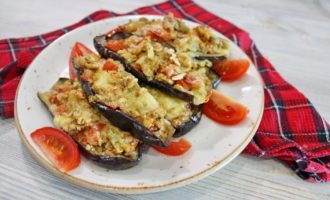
point(114, 163)
point(99, 44)
point(215, 78)
point(193, 121)
point(119, 119)
point(211, 58)
point(119, 35)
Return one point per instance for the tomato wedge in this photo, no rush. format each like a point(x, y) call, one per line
point(78, 50)
point(176, 148)
point(230, 70)
point(58, 147)
point(224, 110)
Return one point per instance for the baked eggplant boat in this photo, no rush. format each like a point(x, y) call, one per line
point(98, 139)
point(169, 57)
point(118, 96)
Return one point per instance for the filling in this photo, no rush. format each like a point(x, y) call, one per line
point(73, 114)
point(197, 40)
point(164, 50)
point(120, 90)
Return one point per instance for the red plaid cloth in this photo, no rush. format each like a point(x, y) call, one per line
point(291, 129)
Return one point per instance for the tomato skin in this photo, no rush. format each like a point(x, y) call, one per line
point(78, 49)
point(115, 45)
point(58, 147)
point(224, 110)
point(175, 148)
point(230, 70)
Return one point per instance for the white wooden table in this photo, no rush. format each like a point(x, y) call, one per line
point(293, 34)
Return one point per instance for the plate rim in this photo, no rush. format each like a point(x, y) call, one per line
point(216, 165)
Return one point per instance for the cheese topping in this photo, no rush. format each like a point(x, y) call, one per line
point(177, 110)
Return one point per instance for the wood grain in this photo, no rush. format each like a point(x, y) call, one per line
point(293, 34)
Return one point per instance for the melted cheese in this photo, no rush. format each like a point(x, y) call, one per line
point(177, 111)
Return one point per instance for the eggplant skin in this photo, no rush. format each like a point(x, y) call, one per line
point(211, 58)
point(114, 163)
point(193, 121)
point(216, 79)
point(119, 35)
point(119, 119)
point(99, 44)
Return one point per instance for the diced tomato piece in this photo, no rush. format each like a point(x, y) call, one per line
point(86, 76)
point(58, 147)
point(188, 82)
point(160, 35)
point(230, 70)
point(224, 110)
point(184, 84)
point(78, 50)
point(53, 99)
point(91, 137)
point(110, 65)
point(168, 70)
point(192, 80)
point(60, 108)
point(176, 148)
point(115, 45)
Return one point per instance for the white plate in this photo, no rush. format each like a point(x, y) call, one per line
point(213, 145)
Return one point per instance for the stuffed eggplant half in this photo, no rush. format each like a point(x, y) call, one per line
point(118, 96)
point(167, 55)
point(98, 139)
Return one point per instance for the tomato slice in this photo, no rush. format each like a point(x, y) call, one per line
point(78, 50)
point(115, 45)
point(176, 148)
point(230, 70)
point(58, 147)
point(110, 65)
point(224, 110)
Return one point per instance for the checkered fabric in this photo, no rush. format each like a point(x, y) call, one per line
point(291, 130)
